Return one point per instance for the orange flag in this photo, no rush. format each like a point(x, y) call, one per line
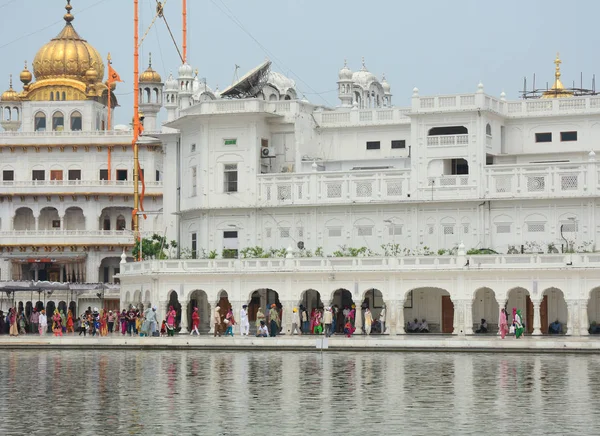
point(113, 76)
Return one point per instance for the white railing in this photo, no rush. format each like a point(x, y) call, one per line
point(333, 187)
point(449, 181)
point(75, 133)
point(539, 180)
point(87, 183)
point(357, 264)
point(40, 237)
point(347, 117)
point(447, 140)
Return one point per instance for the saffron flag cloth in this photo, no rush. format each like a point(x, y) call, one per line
point(113, 76)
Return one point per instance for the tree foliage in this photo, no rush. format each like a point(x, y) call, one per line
point(154, 247)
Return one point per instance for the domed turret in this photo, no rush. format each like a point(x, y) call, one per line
point(150, 76)
point(171, 83)
point(10, 94)
point(186, 70)
point(345, 85)
point(385, 85)
point(345, 73)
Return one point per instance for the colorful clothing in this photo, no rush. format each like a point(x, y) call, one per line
point(503, 325)
point(519, 328)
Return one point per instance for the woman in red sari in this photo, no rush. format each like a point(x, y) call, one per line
point(195, 322)
point(57, 323)
point(171, 316)
point(70, 322)
point(313, 321)
point(103, 323)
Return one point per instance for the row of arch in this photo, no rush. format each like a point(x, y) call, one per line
point(11, 113)
point(58, 121)
point(433, 304)
point(73, 218)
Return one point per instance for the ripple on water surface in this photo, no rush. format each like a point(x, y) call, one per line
point(291, 393)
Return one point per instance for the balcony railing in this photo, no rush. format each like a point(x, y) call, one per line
point(358, 264)
point(447, 140)
point(347, 117)
point(333, 187)
point(76, 187)
point(41, 237)
point(535, 180)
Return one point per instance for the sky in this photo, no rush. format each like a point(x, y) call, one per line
point(439, 46)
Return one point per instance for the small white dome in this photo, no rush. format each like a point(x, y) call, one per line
point(171, 83)
point(186, 71)
point(345, 73)
point(281, 83)
point(385, 85)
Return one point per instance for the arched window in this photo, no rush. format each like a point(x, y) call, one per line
point(121, 222)
point(16, 115)
point(76, 121)
point(58, 121)
point(488, 129)
point(106, 223)
point(147, 94)
point(51, 95)
point(40, 122)
point(7, 114)
point(156, 95)
point(64, 96)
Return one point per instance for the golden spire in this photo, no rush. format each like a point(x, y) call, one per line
point(557, 62)
point(68, 17)
point(10, 94)
point(558, 90)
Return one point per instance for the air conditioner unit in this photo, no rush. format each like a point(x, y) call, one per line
point(267, 152)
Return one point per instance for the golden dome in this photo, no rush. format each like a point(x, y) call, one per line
point(10, 94)
point(26, 77)
point(67, 55)
point(558, 89)
point(150, 76)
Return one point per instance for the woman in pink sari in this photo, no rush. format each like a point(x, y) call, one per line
point(503, 324)
point(171, 315)
point(313, 321)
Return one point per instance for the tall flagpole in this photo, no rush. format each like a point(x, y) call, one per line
point(109, 120)
point(184, 31)
point(136, 120)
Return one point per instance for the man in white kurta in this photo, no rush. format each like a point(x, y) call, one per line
point(244, 323)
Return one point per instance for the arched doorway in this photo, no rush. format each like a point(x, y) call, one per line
point(520, 299)
point(310, 300)
point(199, 299)
point(73, 309)
point(433, 305)
point(553, 308)
point(50, 306)
point(373, 299)
point(62, 307)
point(342, 298)
point(262, 298)
point(485, 307)
point(593, 312)
point(174, 301)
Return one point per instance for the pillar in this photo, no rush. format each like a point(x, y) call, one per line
point(571, 329)
point(184, 316)
point(286, 318)
point(584, 323)
point(459, 317)
point(37, 221)
point(468, 327)
point(398, 314)
point(62, 273)
point(537, 331)
point(358, 320)
point(62, 222)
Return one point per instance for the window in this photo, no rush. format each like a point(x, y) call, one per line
point(194, 246)
point(300, 232)
point(58, 121)
point(568, 136)
point(488, 129)
point(106, 223)
point(103, 174)
point(430, 230)
point(364, 231)
point(543, 137)
point(194, 175)
point(268, 232)
point(122, 175)
point(284, 232)
point(503, 228)
point(536, 227)
point(56, 224)
point(466, 229)
point(38, 175)
point(74, 174)
point(448, 230)
point(373, 145)
point(193, 148)
point(264, 142)
point(400, 143)
point(230, 234)
point(56, 175)
point(157, 176)
point(335, 232)
point(450, 130)
point(232, 141)
point(76, 121)
point(40, 122)
point(121, 222)
point(230, 178)
point(569, 227)
point(8, 175)
point(395, 230)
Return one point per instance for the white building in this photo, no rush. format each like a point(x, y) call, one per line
point(66, 190)
point(423, 195)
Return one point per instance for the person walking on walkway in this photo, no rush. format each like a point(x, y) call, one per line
point(260, 316)
point(274, 320)
point(382, 320)
point(171, 315)
point(195, 322)
point(70, 324)
point(295, 322)
point(503, 324)
point(217, 321)
point(35, 320)
point(368, 321)
point(12, 321)
point(518, 320)
point(327, 321)
point(131, 321)
point(230, 322)
point(244, 323)
point(57, 323)
point(43, 323)
point(304, 319)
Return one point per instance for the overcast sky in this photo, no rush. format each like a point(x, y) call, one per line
point(439, 46)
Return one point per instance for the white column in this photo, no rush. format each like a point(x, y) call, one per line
point(184, 316)
point(468, 328)
point(399, 315)
point(571, 307)
point(459, 318)
point(358, 321)
point(286, 318)
point(62, 222)
point(584, 323)
point(537, 331)
point(37, 221)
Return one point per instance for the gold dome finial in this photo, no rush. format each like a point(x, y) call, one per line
point(150, 76)
point(25, 75)
point(558, 89)
point(68, 17)
point(557, 62)
point(10, 94)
